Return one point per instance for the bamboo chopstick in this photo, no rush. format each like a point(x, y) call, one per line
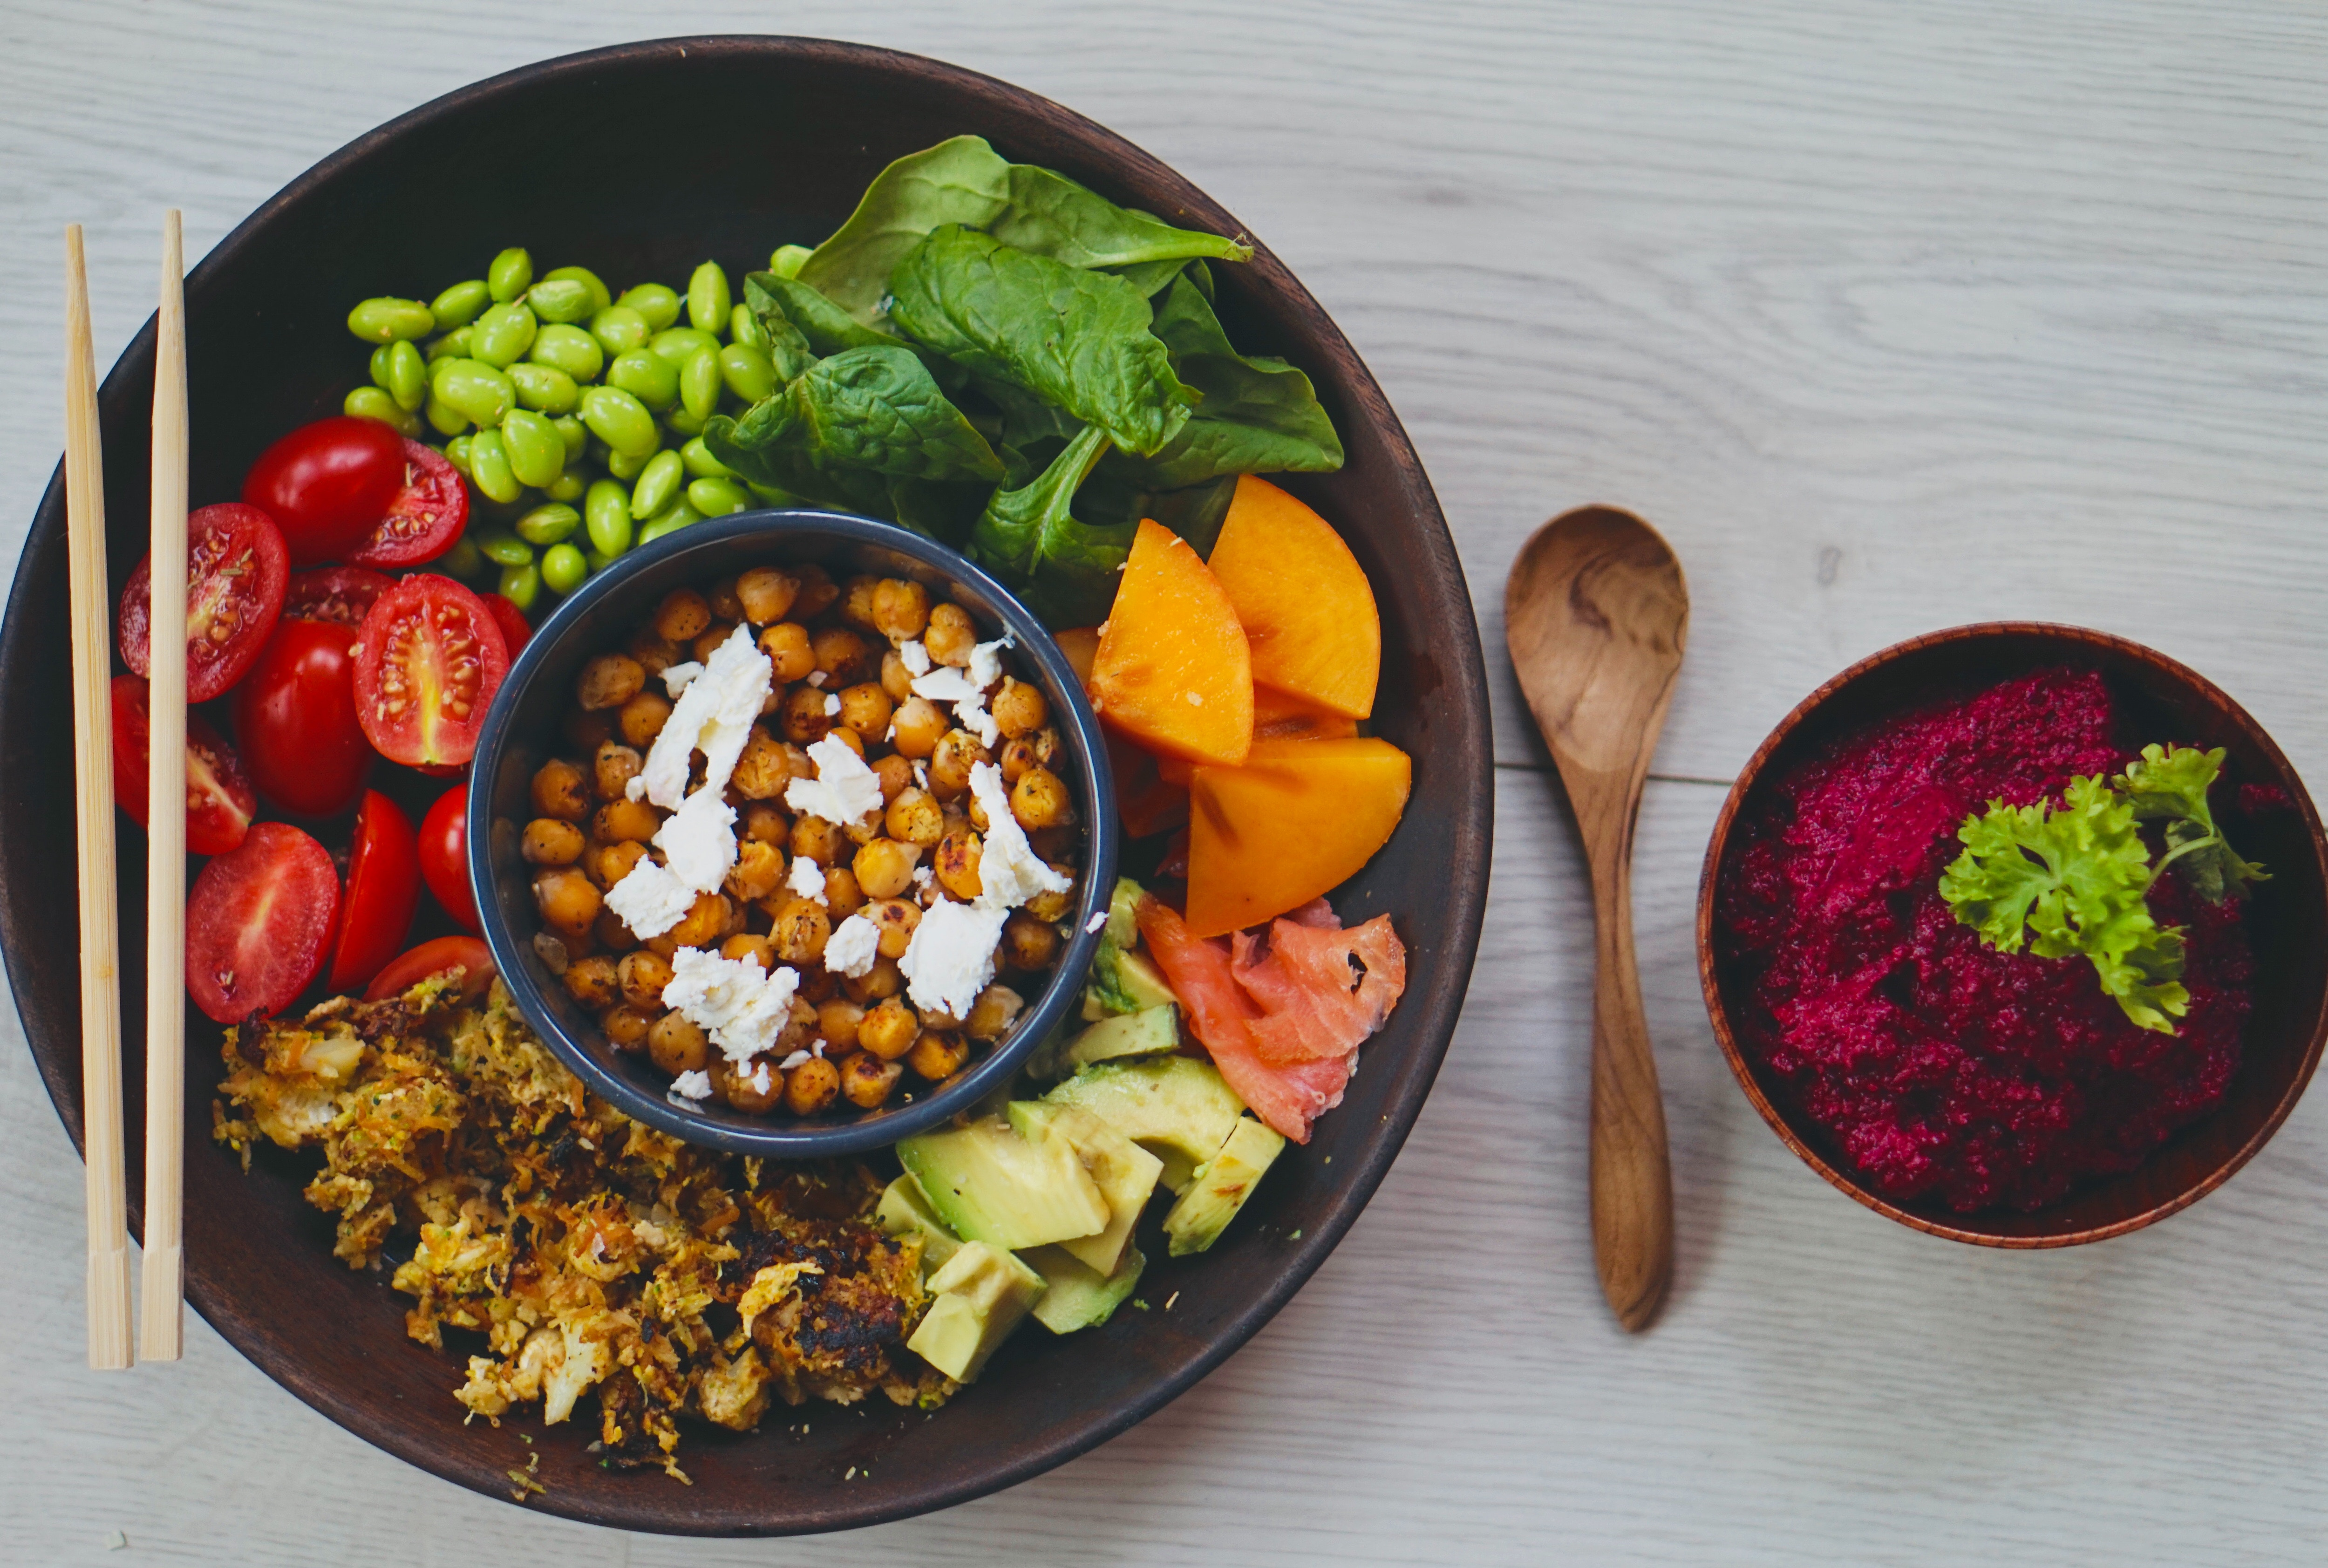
point(161, 1308)
point(106, 1198)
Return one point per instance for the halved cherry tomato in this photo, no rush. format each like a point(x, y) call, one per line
point(328, 484)
point(296, 716)
point(465, 954)
point(383, 892)
point(423, 518)
point(259, 922)
point(428, 659)
point(339, 594)
point(516, 630)
point(445, 855)
point(236, 574)
point(220, 803)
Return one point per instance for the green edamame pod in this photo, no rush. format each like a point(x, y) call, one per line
point(575, 434)
point(408, 375)
point(544, 387)
point(683, 424)
point(700, 464)
point(456, 452)
point(442, 417)
point(677, 345)
point(536, 451)
point(707, 299)
point(566, 487)
point(461, 304)
point(386, 319)
point(646, 376)
point(503, 549)
point(374, 403)
point(464, 560)
point(786, 260)
point(474, 389)
point(657, 304)
point(520, 585)
point(619, 329)
point(659, 481)
point(743, 327)
point(563, 569)
point(677, 516)
point(561, 299)
point(378, 365)
point(748, 372)
point(701, 384)
point(489, 468)
point(607, 516)
point(453, 346)
point(501, 336)
point(601, 296)
point(546, 525)
point(621, 421)
point(568, 349)
point(510, 275)
point(717, 497)
point(624, 468)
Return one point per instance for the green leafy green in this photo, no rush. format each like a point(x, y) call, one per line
point(788, 307)
point(1029, 536)
point(959, 181)
point(2170, 784)
point(1078, 340)
point(1051, 215)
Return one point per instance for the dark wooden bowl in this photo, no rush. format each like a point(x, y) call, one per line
point(781, 137)
point(2287, 916)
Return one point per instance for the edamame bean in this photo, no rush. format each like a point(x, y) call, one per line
point(575, 434)
point(601, 296)
point(386, 319)
point(619, 329)
point(464, 560)
point(378, 365)
point(659, 481)
point(745, 328)
point(701, 384)
point(489, 468)
point(536, 451)
point(786, 260)
point(408, 375)
point(474, 389)
point(456, 452)
point(646, 376)
point(503, 549)
point(510, 275)
point(443, 417)
point(374, 403)
point(683, 424)
point(598, 562)
point(461, 304)
point(453, 346)
point(501, 335)
point(626, 468)
point(607, 516)
point(657, 304)
point(678, 516)
point(564, 299)
point(677, 345)
point(566, 487)
point(546, 525)
point(563, 569)
point(769, 496)
point(717, 497)
point(545, 387)
point(702, 464)
point(621, 421)
point(748, 372)
point(568, 349)
point(520, 585)
point(707, 299)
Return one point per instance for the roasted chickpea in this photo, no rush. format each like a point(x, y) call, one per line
point(812, 1086)
point(885, 867)
point(814, 839)
point(682, 613)
point(800, 930)
point(889, 1030)
point(1055, 845)
point(626, 1026)
point(723, 599)
point(866, 1080)
point(765, 767)
point(759, 871)
point(655, 654)
point(842, 654)
point(842, 896)
point(1018, 709)
point(896, 679)
point(901, 608)
point(895, 774)
point(560, 789)
point(642, 975)
point(661, 946)
point(937, 1057)
point(1052, 908)
point(786, 644)
point(1028, 942)
point(950, 635)
point(866, 709)
point(957, 753)
point(818, 986)
point(618, 821)
point(956, 864)
point(835, 1022)
point(609, 681)
point(765, 595)
point(754, 1089)
point(586, 732)
point(1016, 758)
point(755, 948)
point(676, 1046)
point(857, 601)
point(896, 918)
point(1039, 800)
point(877, 983)
point(566, 898)
point(551, 842)
point(613, 935)
point(804, 716)
point(914, 818)
point(612, 769)
point(920, 724)
point(817, 591)
point(591, 981)
point(642, 717)
point(705, 922)
point(764, 823)
point(849, 738)
point(990, 1016)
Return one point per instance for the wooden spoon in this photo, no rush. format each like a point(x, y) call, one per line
point(1595, 613)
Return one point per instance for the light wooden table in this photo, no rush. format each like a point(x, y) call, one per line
point(1891, 317)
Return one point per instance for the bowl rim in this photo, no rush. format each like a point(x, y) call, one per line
point(781, 1140)
point(1717, 1009)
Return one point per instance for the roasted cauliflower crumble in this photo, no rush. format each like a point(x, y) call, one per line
point(594, 1253)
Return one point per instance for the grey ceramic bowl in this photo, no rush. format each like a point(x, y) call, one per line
point(522, 731)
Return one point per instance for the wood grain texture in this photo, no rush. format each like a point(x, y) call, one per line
point(1839, 296)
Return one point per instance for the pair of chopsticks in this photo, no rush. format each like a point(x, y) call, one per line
point(161, 1324)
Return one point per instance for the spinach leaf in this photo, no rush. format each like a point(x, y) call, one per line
point(1149, 277)
point(959, 181)
point(1065, 570)
point(791, 309)
point(1050, 215)
point(1112, 495)
point(1076, 339)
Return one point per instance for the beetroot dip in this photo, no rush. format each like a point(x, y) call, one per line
point(1942, 1069)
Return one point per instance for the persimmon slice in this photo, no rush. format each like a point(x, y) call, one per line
point(1299, 819)
point(1172, 669)
point(1307, 611)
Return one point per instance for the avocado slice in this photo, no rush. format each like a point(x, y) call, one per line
point(1122, 982)
point(1175, 1107)
point(1149, 1032)
point(980, 1297)
point(1222, 1187)
point(906, 1211)
point(989, 1184)
point(1125, 1172)
point(1079, 1298)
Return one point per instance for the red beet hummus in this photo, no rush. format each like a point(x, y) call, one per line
point(1943, 1069)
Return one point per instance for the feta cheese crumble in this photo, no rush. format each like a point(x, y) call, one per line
point(698, 841)
point(650, 900)
point(1010, 872)
point(692, 1085)
point(852, 947)
point(946, 684)
point(677, 678)
point(1098, 919)
point(831, 705)
point(806, 878)
point(731, 1000)
point(844, 790)
point(789, 1062)
point(914, 657)
point(986, 661)
point(951, 958)
point(713, 714)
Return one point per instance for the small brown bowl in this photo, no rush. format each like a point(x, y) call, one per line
point(2287, 918)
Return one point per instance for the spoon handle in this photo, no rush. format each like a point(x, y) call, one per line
point(1632, 1182)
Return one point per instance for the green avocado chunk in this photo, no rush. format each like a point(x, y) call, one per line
point(1149, 1032)
point(1175, 1107)
point(1126, 1173)
point(978, 1297)
point(1122, 982)
point(905, 1211)
point(1222, 1187)
point(988, 1184)
point(1079, 1296)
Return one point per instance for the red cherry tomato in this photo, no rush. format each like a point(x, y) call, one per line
point(236, 574)
point(259, 922)
point(327, 484)
point(428, 659)
point(296, 716)
point(220, 803)
point(340, 593)
point(516, 630)
point(445, 855)
point(383, 892)
point(423, 518)
point(465, 954)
